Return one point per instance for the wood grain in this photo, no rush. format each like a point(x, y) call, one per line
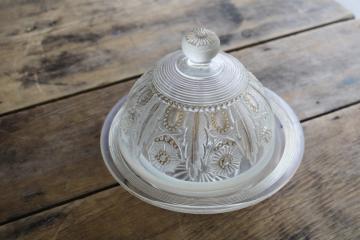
point(51, 49)
point(315, 71)
point(51, 153)
point(320, 202)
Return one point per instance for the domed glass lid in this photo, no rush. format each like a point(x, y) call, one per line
point(198, 129)
point(198, 117)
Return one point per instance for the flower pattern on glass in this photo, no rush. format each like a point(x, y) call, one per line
point(225, 159)
point(265, 134)
point(164, 154)
point(251, 102)
point(129, 119)
point(220, 121)
point(144, 96)
point(173, 118)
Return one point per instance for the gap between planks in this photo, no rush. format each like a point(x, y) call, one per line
point(81, 196)
point(113, 185)
point(267, 217)
point(102, 86)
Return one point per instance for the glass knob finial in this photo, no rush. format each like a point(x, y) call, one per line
point(200, 45)
point(199, 133)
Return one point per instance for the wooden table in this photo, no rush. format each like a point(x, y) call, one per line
point(64, 63)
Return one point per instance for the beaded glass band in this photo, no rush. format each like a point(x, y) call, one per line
point(199, 132)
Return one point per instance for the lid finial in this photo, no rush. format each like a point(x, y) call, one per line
point(200, 45)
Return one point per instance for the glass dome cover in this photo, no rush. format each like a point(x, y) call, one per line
point(199, 133)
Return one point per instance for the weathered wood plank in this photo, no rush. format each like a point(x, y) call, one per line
point(315, 71)
point(320, 202)
point(56, 48)
point(51, 153)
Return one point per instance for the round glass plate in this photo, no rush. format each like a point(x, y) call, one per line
point(288, 154)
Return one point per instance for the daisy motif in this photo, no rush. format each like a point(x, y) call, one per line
point(164, 154)
point(225, 161)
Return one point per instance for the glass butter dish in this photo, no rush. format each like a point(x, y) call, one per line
point(198, 133)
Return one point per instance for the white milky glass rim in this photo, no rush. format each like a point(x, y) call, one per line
point(290, 160)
